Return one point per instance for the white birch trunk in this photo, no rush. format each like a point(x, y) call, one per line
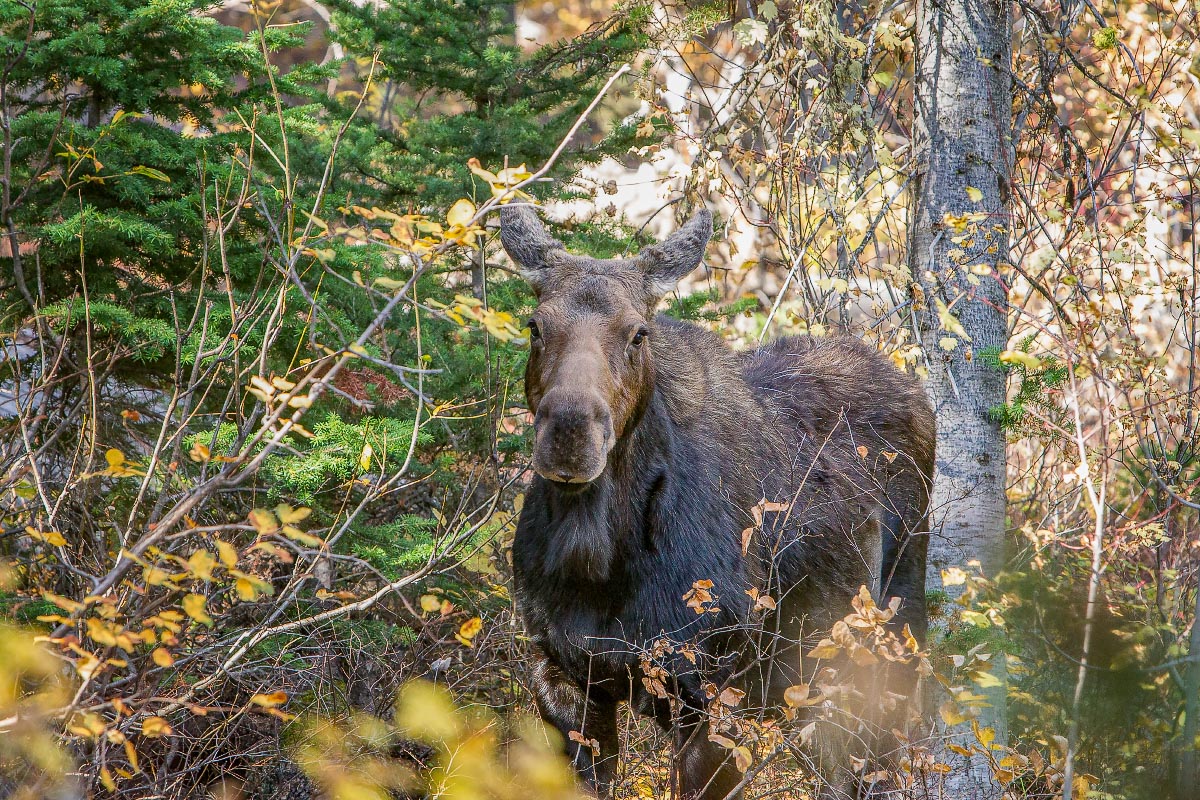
point(962, 138)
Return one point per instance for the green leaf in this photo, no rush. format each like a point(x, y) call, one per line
point(150, 172)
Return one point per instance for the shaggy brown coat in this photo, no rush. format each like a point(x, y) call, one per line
point(654, 446)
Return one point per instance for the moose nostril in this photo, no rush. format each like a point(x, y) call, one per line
point(565, 477)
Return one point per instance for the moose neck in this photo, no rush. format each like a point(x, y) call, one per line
point(611, 520)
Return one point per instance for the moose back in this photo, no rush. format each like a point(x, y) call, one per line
point(657, 452)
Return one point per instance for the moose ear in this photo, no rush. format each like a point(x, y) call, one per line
point(665, 263)
point(527, 242)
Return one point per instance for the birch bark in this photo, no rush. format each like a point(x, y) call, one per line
point(963, 151)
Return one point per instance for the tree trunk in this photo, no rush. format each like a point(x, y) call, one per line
point(962, 147)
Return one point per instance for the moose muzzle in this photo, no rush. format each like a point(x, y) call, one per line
point(573, 434)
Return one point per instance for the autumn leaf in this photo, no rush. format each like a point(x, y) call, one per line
point(699, 595)
point(731, 696)
point(501, 182)
point(49, 537)
point(461, 213)
point(247, 590)
point(88, 725)
point(227, 553)
point(825, 649)
point(201, 563)
point(954, 576)
point(117, 466)
point(271, 700)
point(162, 657)
point(101, 632)
point(974, 194)
point(306, 539)
point(799, 696)
point(591, 744)
point(950, 714)
point(468, 631)
point(289, 516)
point(949, 322)
point(193, 606)
point(1026, 360)
point(155, 727)
point(263, 521)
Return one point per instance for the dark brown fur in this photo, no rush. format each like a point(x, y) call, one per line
point(653, 443)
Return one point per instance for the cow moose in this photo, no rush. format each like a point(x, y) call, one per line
point(654, 447)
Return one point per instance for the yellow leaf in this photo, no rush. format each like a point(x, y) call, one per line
point(246, 590)
point(306, 539)
point(1029, 362)
point(288, 515)
point(193, 606)
point(199, 453)
point(460, 213)
point(106, 779)
point(953, 576)
point(430, 603)
point(742, 759)
point(263, 521)
point(426, 713)
point(974, 194)
point(66, 604)
point(950, 322)
point(101, 632)
point(227, 552)
point(157, 577)
point(131, 754)
point(115, 458)
point(825, 649)
point(469, 630)
point(88, 725)
point(154, 727)
point(162, 657)
point(863, 656)
point(950, 714)
point(200, 564)
point(795, 696)
point(49, 537)
point(271, 700)
point(732, 696)
point(985, 735)
point(364, 458)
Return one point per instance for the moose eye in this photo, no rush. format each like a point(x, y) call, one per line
point(534, 332)
point(639, 337)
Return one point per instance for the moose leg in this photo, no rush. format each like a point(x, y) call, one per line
point(703, 770)
point(904, 555)
point(591, 716)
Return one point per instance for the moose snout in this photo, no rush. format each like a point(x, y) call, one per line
point(573, 434)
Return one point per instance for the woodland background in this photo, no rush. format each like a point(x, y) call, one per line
point(261, 428)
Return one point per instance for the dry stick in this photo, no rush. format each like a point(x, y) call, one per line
point(537, 176)
point(1097, 501)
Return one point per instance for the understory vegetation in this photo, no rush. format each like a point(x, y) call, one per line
point(262, 431)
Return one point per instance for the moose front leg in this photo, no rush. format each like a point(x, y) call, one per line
point(591, 716)
point(703, 770)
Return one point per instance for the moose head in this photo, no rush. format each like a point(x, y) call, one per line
point(591, 368)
